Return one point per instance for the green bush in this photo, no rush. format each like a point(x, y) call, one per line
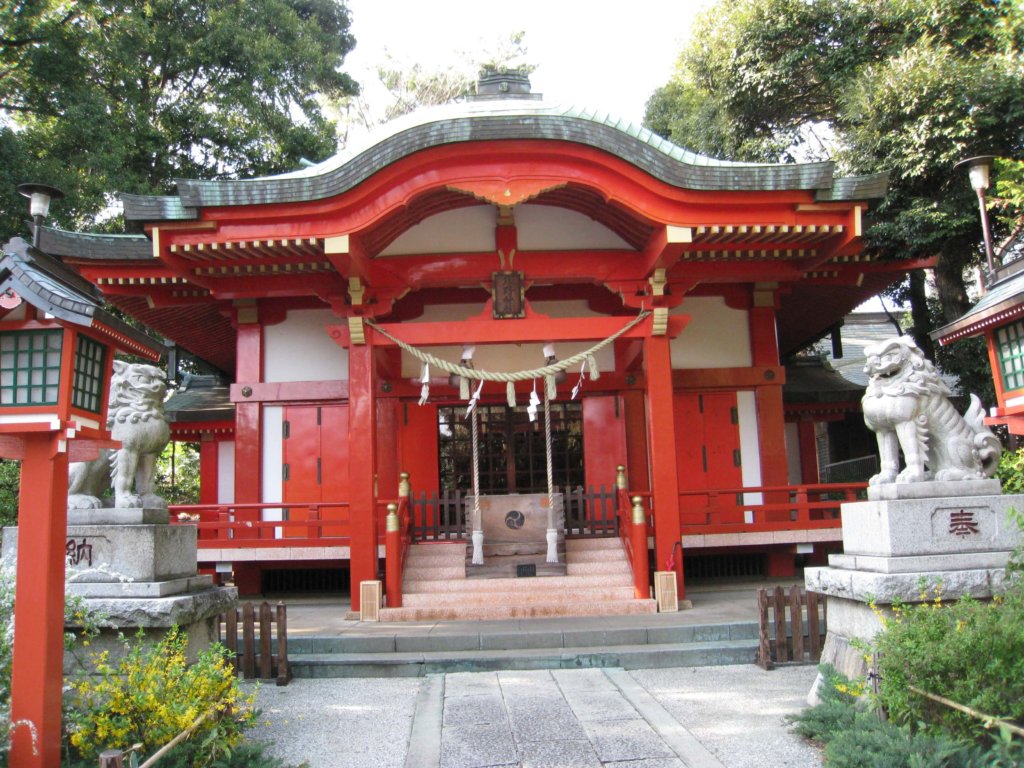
point(10, 475)
point(150, 694)
point(970, 652)
point(1011, 471)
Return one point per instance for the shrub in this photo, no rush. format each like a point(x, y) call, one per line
point(970, 652)
point(151, 694)
point(1011, 471)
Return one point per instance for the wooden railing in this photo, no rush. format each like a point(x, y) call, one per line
point(397, 541)
point(271, 524)
point(633, 532)
point(255, 659)
point(780, 508)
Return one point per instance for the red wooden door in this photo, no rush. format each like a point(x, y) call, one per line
point(708, 455)
point(315, 456)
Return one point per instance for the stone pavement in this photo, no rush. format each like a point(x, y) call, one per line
point(701, 717)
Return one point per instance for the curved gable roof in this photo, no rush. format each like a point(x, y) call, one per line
point(497, 120)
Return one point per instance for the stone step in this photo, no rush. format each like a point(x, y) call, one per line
point(552, 595)
point(579, 545)
point(597, 556)
point(492, 610)
point(410, 586)
point(436, 573)
point(499, 636)
point(417, 664)
point(598, 566)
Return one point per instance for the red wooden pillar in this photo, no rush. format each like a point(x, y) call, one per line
point(209, 459)
point(808, 452)
point(37, 673)
point(362, 467)
point(662, 448)
point(771, 425)
point(248, 420)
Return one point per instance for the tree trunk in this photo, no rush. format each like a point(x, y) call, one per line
point(919, 314)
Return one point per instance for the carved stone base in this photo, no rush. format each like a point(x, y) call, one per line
point(904, 551)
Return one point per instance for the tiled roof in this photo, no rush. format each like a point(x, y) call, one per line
point(51, 287)
point(200, 398)
point(84, 245)
point(508, 119)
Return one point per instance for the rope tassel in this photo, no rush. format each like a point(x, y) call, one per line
point(551, 386)
point(425, 381)
point(463, 388)
point(595, 372)
point(510, 394)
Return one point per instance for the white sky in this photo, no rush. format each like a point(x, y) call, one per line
point(602, 55)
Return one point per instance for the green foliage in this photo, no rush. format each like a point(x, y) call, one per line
point(854, 736)
point(177, 473)
point(970, 652)
point(10, 477)
point(150, 694)
point(1011, 471)
point(908, 86)
point(123, 95)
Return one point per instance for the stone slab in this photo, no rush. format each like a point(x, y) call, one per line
point(115, 516)
point(887, 588)
point(164, 612)
point(141, 589)
point(934, 526)
point(933, 489)
point(919, 563)
point(119, 552)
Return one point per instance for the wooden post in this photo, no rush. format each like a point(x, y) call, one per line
point(37, 667)
point(248, 421)
point(779, 606)
point(392, 559)
point(248, 641)
point(266, 657)
point(284, 672)
point(112, 758)
point(796, 622)
point(764, 648)
point(813, 628)
point(638, 545)
point(231, 637)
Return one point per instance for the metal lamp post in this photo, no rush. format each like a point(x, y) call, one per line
point(978, 169)
point(40, 196)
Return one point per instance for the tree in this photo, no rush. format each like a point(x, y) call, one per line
point(105, 95)
point(910, 86)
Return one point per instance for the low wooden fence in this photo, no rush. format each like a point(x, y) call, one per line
point(256, 658)
point(796, 640)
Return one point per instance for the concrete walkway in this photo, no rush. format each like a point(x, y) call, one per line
point(701, 717)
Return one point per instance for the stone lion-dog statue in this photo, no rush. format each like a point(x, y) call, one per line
point(906, 404)
point(136, 418)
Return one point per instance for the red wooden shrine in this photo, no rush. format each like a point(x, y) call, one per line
point(275, 282)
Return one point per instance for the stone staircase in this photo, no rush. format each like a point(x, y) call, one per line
point(597, 582)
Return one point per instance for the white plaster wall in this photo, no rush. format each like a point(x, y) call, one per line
point(299, 349)
point(507, 357)
point(750, 446)
point(272, 453)
point(717, 336)
point(466, 230)
point(793, 452)
point(226, 471)
point(546, 228)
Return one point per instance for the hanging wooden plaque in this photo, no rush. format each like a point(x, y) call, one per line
point(508, 295)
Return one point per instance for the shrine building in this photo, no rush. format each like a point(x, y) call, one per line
point(505, 234)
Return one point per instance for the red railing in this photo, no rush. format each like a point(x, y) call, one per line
point(779, 508)
point(397, 541)
point(270, 524)
point(633, 527)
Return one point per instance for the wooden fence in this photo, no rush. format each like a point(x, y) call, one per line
point(797, 640)
point(256, 659)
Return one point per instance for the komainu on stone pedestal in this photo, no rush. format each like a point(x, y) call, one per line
point(907, 406)
point(136, 418)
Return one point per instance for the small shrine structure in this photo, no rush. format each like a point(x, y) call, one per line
point(501, 234)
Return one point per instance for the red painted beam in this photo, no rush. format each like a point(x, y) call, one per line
point(362, 443)
point(288, 391)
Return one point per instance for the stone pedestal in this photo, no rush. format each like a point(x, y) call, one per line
point(901, 546)
point(140, 572)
